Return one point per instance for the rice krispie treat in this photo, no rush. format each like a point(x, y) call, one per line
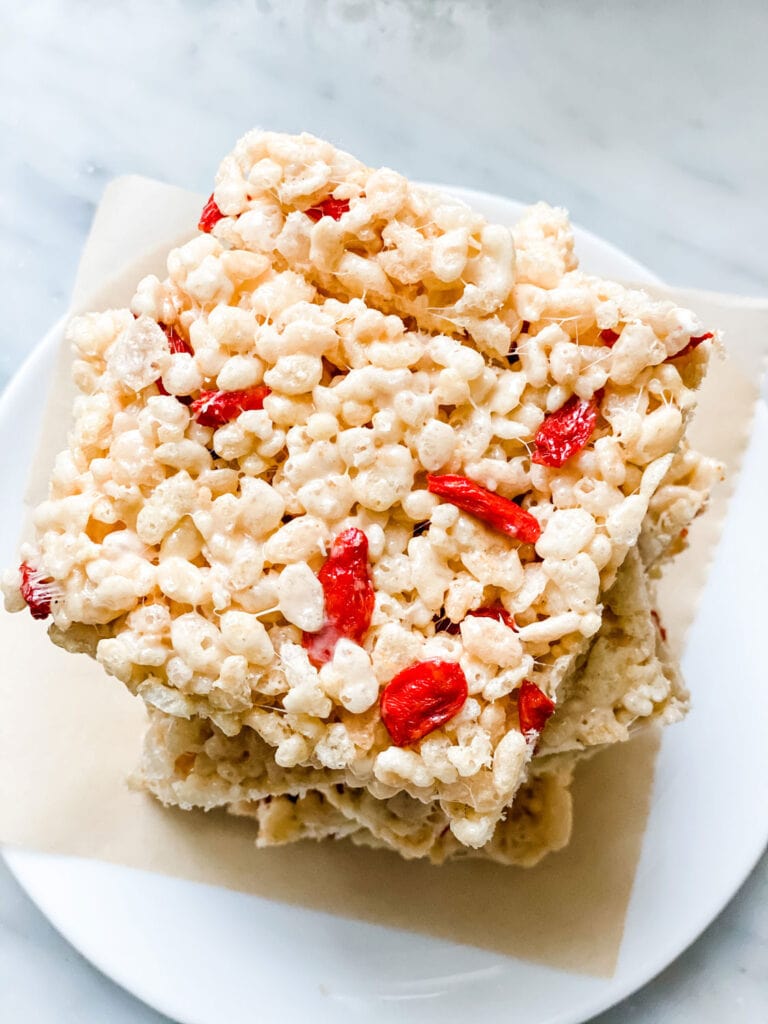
point(538, 822)
point(682, 496)
point(627, 681)
point(190, 764)
point(356, 475)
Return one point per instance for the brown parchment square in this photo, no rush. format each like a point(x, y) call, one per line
point(70, 736)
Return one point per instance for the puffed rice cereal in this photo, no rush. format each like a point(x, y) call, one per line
point(354, 481)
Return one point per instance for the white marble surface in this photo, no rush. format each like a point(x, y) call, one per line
point(646, 119)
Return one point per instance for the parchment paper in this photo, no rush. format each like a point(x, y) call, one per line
point(70, 736)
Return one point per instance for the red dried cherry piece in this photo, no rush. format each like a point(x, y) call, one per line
point(329, 207)
point(493, 611)
point(565, 432)
point(695, 341)
point(500, 513)
point(533, 708)
point(215, 408)
point(609, 337)
point(349, 597)
point(210, 216)
point(422, 698)
point(37, 590)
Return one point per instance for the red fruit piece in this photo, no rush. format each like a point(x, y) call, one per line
point(215, 408)
point(329, 207)
point(422, 698)
point(321, 645)
point(494, 611)
point(176, 343)
point(533, 708)
point(37, 590)
point(349, 596)
point(609, 337)
point(500, 513)
point(564, 433)
point(210, 216)
point(695, 341)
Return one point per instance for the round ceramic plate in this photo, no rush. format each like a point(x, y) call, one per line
point(203, 955)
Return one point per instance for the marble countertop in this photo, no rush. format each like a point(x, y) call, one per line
point(645, 120)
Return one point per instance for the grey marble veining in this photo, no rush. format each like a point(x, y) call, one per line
point(646, 119)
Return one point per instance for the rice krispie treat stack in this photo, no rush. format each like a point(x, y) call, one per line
point(628, 681)
point(352, 484)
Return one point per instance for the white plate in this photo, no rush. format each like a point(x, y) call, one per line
point(204, 955)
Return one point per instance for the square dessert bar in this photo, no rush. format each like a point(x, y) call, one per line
point(358, 474)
